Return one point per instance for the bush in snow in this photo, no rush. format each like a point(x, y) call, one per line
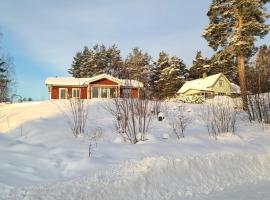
point(219, 115)
point(132, 117)
point(76, 116)
point(178, 120)
point(259, 108)
point(156, 108)
point(94, 136)
point(196, 99)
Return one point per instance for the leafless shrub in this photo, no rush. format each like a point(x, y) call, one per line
point(219, 116)
point(76, 116)
point(156, 107)
point(178, 120)
point(132, 117)
point(259, 108)
point(94, 136)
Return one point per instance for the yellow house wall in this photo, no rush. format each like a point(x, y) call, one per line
point(225, 88)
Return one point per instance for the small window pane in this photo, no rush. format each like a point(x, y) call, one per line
point(220, 83)
point(103, 92)
point(94, 92)
point(113, 92)
point(63, 93)
point(76, 93)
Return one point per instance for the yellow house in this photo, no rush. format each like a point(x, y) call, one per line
point(216, 84)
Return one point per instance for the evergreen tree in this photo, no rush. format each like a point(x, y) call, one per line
point(233, 28)
point(198, 66)
point(262, 67)
point(114, 62)
point(95, 61)
point(7, 82)
point(167, 75)
point(162, 63)
point(224, 62)
point(6, 78)
point(76, 66)
point(137, 66)
point(172, 77)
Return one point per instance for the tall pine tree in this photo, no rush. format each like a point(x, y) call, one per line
point(95, 61)
point(167, 75)
point(162, 63)
point(262, 68)
point(137, 66)
point(234, 26)
point(224, 62)
point(172, 77)
point(197, 68)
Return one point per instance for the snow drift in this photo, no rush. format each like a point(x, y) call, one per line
point(156, 178)
point(40, 159)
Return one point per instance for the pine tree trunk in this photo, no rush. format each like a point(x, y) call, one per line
point(242, 71)
point(242, 79)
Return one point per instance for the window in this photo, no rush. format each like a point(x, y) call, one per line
point(112, 92)
point(95, 92)
point(62, 93)
point(76, 93)
point(104, 92)
point(126, 93)
point(220, 82)
point(221, 94)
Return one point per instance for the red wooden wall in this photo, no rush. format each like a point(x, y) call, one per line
point(55, 92)
point(104, 81)
point(134, 93)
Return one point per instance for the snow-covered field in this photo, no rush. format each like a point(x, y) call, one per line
point(40, 159)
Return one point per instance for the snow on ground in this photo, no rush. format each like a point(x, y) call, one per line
point(40, 159)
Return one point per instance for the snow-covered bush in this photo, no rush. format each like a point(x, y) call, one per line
point(178, 120)
point(259, 108)
point(196, 99)
point(132, 117)
point(219, 115)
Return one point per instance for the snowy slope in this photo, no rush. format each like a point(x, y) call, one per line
point(40, 159)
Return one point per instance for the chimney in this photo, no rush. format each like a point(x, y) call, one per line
point(206, 69)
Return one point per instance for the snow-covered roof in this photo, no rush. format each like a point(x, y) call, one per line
point(131, 83)
point(71, 81)
point(203, 84)
point(66, 81)
point(235, 89)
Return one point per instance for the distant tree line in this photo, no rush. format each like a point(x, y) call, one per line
point(161, 78)
point(164, 76)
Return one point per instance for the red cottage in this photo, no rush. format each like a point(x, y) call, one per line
point(101, 86)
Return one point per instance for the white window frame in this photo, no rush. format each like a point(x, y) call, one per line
point(73, 89)
point(99, 92)
point(60, 89)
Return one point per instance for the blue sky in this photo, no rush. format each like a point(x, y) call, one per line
point(43, 35)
